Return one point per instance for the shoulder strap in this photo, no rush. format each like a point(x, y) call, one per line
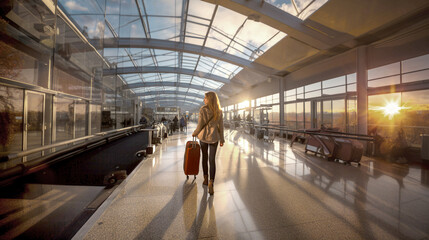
point(207, 122)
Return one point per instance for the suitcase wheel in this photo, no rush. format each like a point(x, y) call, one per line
point(195, 177)
point(187, 177)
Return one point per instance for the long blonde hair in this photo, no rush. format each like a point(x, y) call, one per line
point(213, 103)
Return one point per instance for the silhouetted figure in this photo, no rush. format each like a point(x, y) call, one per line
point(182, 123)
point(175, 120)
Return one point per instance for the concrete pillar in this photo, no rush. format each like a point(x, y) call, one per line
point(362, 90)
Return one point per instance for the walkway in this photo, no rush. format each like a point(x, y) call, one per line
point(265, 191)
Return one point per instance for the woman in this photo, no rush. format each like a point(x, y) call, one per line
point(210, 131)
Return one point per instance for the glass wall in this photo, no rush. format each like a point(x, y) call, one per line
point(352, 115)
point(11, 117)
point(328, 98)
point(25, 54)
point(64, 119)
point(42, 50)
point(406, 110)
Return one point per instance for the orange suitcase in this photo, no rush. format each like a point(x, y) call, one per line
point(191, 164)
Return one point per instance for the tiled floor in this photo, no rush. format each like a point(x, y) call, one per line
point(265, 191)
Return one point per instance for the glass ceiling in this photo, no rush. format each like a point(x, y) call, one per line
point(298, 8)
point(190, 22)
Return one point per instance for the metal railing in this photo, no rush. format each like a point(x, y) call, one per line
point(327, 133)
point(77, 147)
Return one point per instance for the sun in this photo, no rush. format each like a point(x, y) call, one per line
point(390, 109)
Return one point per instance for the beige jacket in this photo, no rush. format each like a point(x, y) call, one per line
point(213, 131)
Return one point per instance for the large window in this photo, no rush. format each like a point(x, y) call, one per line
point(410, 70)
point(408, 111)
point(11, 116)
point(290, 112)
point(352, 115)
point(64, 119)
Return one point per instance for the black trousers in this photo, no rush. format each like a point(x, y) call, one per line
point(210, 158)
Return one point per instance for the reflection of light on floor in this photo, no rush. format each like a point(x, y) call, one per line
point(47, 203)
point(238, 203)
point(244, 145)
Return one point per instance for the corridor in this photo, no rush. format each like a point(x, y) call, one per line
point(264, 191)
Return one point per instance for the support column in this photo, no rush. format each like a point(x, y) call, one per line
point(282, 103)
point(362, 90)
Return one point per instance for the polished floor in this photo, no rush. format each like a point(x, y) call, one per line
point(265, 191)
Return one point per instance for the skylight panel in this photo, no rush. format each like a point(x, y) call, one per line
point(170, 88)
point(169, 7)
point(188, 64)
point(111, 28)
point(271, 42)
point(128, 7)
point(198, 81)
point(200, 8)
point(139, 90)
point(131, 78)
point(196, 30)
point(165, 28)
point(193, 39)
point(191, 90)
point(254, 34)
point(204, 67)
point(301, 8)
point(131, 27)
point(217, 40)
point(239, 50)
point(148, 89)
point(228, 20)
point(224, 67)
point(169, 77)
point(213, 84)
point(185, 78)
point(92, 26)
point(182, 89)
point(81, 7)
point(226, 23)
point(166, 58)
point(112, 7)
point(151, 77)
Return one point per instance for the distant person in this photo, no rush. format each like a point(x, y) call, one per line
point(249, 118)
point(182, 123)
point(210, 131)
point(143, 120)
point(175, 120)
point(163, 119)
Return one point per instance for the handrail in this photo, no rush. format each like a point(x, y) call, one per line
point(28, 152)
point(312, 132)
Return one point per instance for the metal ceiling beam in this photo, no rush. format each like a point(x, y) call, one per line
point(171, 93)
point(175, 101)
point(168, 84)
point(153, 69)
point(183, 47)
point(272, 16)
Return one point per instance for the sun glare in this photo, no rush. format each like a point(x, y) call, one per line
point(390, 109)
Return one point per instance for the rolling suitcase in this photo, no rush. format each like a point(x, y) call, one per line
point(191, 163)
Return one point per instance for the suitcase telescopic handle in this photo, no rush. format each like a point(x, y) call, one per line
point(194, 142)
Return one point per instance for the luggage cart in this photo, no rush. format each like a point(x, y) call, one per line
point(269, 136)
